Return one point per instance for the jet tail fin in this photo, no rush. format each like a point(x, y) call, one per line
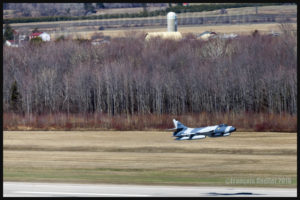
point(178, 124)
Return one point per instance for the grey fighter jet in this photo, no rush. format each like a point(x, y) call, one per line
point(185, 133)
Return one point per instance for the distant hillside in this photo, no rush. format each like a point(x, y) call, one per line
point(89, 12)
point(13, 10)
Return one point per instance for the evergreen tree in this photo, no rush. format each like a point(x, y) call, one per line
point(88, 7)
point(15, 98)
point(100, 5)
point(8, 34)
point(35, 30)
point(144, 5)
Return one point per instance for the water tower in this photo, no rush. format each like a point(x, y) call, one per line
point(172, 22)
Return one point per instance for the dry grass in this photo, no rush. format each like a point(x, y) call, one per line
point(147, 157)
point(149, 122)
point(282, 9)
point(8, 13)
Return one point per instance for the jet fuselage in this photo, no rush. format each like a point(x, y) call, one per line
point(185, 133)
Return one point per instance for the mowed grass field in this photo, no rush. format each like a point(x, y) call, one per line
point(148, 157)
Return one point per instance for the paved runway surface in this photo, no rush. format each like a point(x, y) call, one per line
point(26, 189)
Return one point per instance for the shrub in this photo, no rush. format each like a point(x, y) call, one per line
point(8, 34)
point(36, 41)
point(60, 38)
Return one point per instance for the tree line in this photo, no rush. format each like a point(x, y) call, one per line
point(61, 9)
point(254, 73)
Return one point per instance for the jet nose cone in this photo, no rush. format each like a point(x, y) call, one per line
point(232, 129)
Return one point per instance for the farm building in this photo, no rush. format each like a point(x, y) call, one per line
point(228, 36)
point(45, 36)
point(34, 35)
point(11, 43)
point(206, 35)
point(164, 35)
point(171, 27)
point(99, 41)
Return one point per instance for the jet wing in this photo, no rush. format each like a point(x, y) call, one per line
point(205, 130)
point(206, 133)
point(171, 129)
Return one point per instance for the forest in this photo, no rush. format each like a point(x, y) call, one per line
point(251, 80)
point(65, 9)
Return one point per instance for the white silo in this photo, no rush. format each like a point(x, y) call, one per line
point(172, 22)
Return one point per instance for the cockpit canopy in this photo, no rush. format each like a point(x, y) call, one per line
point(221, 125)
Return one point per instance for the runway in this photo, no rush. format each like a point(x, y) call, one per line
point(27, 189)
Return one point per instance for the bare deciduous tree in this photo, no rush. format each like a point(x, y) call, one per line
point(130, 76)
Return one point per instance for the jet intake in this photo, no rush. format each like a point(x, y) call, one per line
point(217, 134)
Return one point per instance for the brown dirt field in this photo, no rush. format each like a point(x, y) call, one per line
point(284, 9)
point(147, 157)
